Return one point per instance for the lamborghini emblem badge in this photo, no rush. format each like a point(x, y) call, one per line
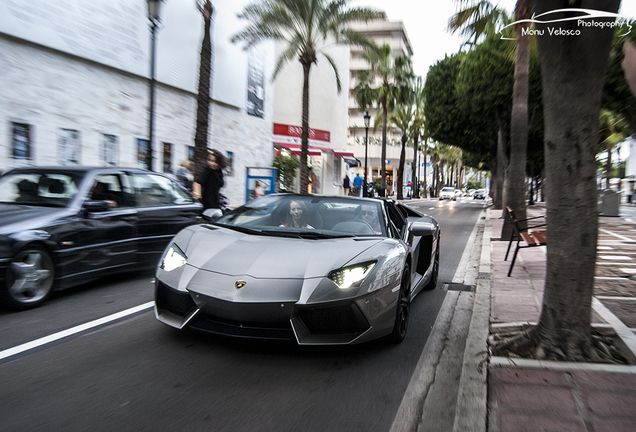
point(239, 284)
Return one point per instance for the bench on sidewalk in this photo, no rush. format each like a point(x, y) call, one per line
point(530, 238)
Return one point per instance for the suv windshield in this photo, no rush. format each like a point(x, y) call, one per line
point(41, 188)
point(308, 217)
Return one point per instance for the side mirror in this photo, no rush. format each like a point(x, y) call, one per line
point(210, 215)
point(422, 229)
point(96, 206)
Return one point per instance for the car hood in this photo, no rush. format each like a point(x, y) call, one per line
point(15, 217)
point(233, 253)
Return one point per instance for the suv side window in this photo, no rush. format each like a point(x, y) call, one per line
point(156, 190)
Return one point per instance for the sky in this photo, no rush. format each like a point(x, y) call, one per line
point(426, 23)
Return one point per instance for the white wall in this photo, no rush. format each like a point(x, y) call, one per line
point(51, 91)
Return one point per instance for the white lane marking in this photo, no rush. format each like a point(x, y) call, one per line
point(615, 257)
point(621, 329)
point(604, 247)
point(559, 366)
point(610, 278)
point(616, 235)
point(616, 298)
point(73, 330)
point(630, 271)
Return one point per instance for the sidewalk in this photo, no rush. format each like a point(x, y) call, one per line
point(528, 395)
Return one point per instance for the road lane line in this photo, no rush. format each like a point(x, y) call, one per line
point(622, 237)
point(73, 330)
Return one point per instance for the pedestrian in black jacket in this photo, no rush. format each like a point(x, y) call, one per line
point(210, 181)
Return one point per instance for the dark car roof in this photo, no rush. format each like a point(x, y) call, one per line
point(83, 169)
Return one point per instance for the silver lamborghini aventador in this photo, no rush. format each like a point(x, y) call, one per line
point(314, 269)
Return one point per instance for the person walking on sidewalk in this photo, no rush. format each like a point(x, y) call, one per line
point(207, 186)
point(357, 182)
point(346, 185)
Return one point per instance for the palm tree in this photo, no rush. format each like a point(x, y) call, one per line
point(395, 75)
point(203, 95)
point(307, 26)
point(402, 119)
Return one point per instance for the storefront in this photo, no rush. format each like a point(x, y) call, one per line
point(327, 167)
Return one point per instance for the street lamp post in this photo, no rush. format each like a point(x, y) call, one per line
point(367, 118)
point(154, 7)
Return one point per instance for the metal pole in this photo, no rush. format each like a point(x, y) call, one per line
point(366, 145)
point(153, 29)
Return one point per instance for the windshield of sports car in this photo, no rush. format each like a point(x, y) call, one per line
point(49, 188)
point(308, 217)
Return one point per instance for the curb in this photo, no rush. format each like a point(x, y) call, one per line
point(454, 358)
point(472, 407)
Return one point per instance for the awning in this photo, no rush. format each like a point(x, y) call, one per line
point(344, 154)
point(295, 149)
point(351, 161)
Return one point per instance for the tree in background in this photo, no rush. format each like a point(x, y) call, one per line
point(418, 129)
point(402, 118)
point(286, 167)
point(307, 26)
point(482, 18)
point(203, 95)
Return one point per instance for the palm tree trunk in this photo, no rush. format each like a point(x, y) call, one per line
point(203, 97)
point(304, 172)
point(608, 167)
point(501, 164)
point(400, 173)
point(424, 155)
point(415, 193)
point(384, 126)
point(515, 177)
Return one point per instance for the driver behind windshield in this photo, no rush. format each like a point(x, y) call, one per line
point(369, 214)
point(297, 216)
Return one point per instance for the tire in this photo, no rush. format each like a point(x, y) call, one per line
point(401, 324)
point(433, 282)
point(29, 280)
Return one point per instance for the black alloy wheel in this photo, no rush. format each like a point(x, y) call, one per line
point(403, 308)
point(432, 283)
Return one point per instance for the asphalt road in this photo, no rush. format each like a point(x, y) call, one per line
point(136, 374)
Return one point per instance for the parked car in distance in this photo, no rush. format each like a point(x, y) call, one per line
point(346, 273)
point(459, 193)
point(480, 194)
point(447, 193)
point(470, 193)
point(63, 226)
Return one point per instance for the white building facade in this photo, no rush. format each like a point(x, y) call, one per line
point(76, 87)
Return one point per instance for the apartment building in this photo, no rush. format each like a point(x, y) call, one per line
point(393, 33)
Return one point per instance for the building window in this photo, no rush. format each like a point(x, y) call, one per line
point(110, 153)
point(167, 157)
point(336, 170)
point(69, 151)
point(142, 151)
point(21, 142)
point(190, 151)
point(229, 169)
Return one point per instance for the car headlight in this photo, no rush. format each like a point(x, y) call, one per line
point(173, 258)
point(351, 276)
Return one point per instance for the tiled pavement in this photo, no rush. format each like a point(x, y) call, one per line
point(526, 395)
